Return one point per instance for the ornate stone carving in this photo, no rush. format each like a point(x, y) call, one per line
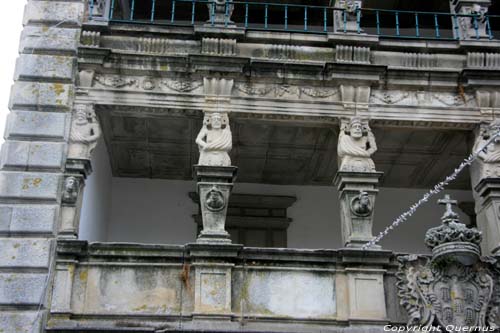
point(215, 140)
point(349, 24)
point(356, 146)
point(219, 46)
point(489, 158)
point(91, 38)
point(453, 288)
point(483, 60)
point(85, 132)
point(180, 85)
point(361, 205)
point(215, 200)
point(473, 27)
point(71, 190)
point(220, 12)
point(116, 81)
point(352, 54)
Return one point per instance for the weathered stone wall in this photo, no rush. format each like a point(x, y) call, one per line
point(33, 157)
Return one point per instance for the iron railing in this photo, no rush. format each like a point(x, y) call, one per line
point(304, 18)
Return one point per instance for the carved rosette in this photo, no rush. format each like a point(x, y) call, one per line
point(454, 287)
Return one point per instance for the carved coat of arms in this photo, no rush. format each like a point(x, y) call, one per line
point(455, 288)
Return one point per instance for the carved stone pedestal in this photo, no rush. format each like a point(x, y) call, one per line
point(77, 171)
point(488, 214)
point(357, 193)
point(214, 188)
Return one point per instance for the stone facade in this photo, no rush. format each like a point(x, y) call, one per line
point(155, 93)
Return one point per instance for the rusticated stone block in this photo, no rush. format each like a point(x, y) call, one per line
point(24, 252)
point(17, 288)
point(41, 96)
point(26, 185)
point(24, 154)
point(27, 218)
point(20, 322)
point(34, 124)
point(51, 12)
point(44, 67)
point(54, 39)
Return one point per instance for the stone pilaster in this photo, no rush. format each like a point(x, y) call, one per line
point(213, 266)
point(214, 188)
point(33, 159)
point(357, 194)
point(485, 178)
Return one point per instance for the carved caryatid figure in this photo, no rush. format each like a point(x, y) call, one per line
point(85, 132)
point(356, 146)
point(215, 140)
point(489, 156)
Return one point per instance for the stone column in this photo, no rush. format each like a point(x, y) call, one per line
point(214, 172)
point(485, 177)
point(357, 181)
point(470, 27)
point(33, 159)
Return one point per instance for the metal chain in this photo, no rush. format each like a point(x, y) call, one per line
point(436, 190)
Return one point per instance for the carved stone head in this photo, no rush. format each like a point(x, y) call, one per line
point(356, 128)
point(216, 120)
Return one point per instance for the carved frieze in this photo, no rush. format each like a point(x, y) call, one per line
point(91, 38)
point(421, 98)
point(419, 60)
point(352, 54)
point(218, 46)
point(115, 81)
point(287, 91)
point(180, 85)
point(483, 60)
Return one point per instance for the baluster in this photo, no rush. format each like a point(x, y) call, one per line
point(266, 10)
point(286, 17)
point(324, 20)
point(226, 13)
point(91, 11)
point(132, 11)
point(193, 9)
point(112, 11)
point(358, 20)
point(305, 18)
point(172, 17)
point(246, 15)
point(417, 28)
point(153, 5)
point(212, 13)
point(456, 27)
point(344, 13)
point(436, 25)
point(377, 15)
point(488, 28)
point(476, 26)
point(397, 23)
